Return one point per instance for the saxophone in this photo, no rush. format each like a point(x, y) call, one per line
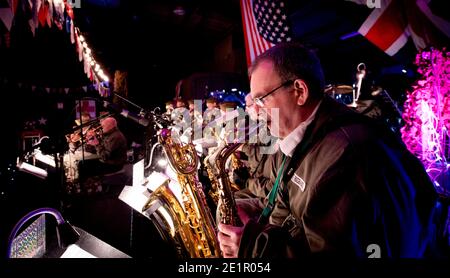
point(193, 228)
point(226, 205)
point(214, 173)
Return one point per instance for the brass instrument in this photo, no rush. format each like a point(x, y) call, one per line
point(85, 134)
point(96, 132)
point(213, 192)
point(193, 226)
point(227, 205)
point(213, 174)
point(236, 163)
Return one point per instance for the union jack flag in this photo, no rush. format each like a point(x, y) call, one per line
point(390, 26)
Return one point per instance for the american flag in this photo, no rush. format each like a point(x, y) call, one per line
point(390, 26)
point(265, 24)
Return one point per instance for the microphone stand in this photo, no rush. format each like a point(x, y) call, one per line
point(143, 114)
point(91, 122)
point(142, 110)
point(158, 122)
point(82, 136)
point(361, 72)
point(157, 119)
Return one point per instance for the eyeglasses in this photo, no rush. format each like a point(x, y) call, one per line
point(259, 101)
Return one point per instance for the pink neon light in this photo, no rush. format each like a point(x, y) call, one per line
point(427, 112)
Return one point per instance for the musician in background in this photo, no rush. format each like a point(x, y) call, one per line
point(196, 116)
point(111, 147)
point(78, 149)
point(74, 139)
point(211, 112)
point(180, 103)
point(169, 109)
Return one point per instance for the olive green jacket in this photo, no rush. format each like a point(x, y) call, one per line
point(354, 187)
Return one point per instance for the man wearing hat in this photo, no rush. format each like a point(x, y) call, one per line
point(196, 114)
point(211, 112)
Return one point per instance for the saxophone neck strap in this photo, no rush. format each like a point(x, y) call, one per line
point(272, 195)
point(308, 141)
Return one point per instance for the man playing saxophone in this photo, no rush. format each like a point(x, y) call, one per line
point(257, 181)
point(343, 184)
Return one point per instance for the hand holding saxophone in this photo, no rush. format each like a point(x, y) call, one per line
point(229, 239)
point(229, 236)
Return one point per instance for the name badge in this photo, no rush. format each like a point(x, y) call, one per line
point(299, 182)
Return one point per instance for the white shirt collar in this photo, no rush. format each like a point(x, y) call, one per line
point(288, 144)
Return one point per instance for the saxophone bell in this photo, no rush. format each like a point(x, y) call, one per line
point(186, 220)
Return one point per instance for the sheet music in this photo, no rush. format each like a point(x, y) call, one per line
point(74, 251)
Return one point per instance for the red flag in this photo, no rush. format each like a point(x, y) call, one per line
point(265, 24)
point(42, 14)
point(6, 16)
point(389, 26)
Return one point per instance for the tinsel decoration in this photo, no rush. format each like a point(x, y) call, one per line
point(427, 113)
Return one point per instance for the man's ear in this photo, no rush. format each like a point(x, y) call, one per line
point(301, 91)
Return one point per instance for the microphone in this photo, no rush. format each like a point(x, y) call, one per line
point(138, 119)
point(40, 142)
point(361, 73)
point(127, 114)
point(361, 69)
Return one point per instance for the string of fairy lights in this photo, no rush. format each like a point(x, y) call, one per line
point(92, 68)
point(87, 55)
point(58, 14)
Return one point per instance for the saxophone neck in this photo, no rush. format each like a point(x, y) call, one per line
point(225, 152)
point(182, 158)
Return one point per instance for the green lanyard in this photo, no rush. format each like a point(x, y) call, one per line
point(272, 195)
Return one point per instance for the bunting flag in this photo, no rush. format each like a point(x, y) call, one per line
point(265, 24)
point(14, 4)
point(42, 14)
point(49, 17)
point(58, 15)
point(59, 12)
point(99, 86)
point(390, 26)
point(6, 15)
point(34, 7)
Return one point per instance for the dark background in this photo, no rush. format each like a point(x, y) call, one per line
point(157, 48)
point(204, 47)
